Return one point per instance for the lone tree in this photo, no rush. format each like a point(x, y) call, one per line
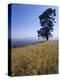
point(47, 20)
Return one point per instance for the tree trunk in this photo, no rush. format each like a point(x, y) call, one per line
point(47, 38)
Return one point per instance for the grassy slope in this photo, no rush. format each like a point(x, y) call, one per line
point(40, 58)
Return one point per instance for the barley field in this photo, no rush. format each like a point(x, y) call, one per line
point(35, 59)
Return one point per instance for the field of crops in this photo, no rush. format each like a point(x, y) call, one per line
point(35, 59)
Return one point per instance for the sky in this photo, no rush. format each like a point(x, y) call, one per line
point(25, 21)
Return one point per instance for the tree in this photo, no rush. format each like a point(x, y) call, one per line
point(47, 20)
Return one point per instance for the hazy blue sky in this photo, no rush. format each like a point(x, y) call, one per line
point(25, 21)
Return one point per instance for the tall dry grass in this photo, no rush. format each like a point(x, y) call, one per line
point(40, 58)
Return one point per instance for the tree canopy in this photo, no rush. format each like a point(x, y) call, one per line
point(47, 20)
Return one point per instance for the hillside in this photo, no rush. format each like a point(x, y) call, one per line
point(36, 59)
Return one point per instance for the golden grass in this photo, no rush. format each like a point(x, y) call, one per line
point(36, 59)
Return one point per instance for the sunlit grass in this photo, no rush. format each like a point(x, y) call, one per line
point(40, 58)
